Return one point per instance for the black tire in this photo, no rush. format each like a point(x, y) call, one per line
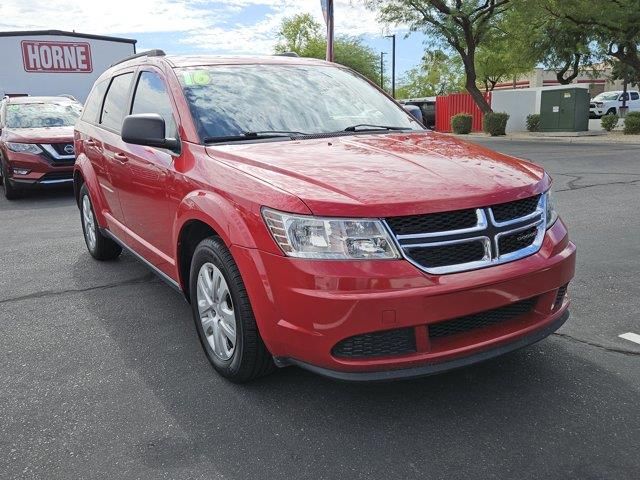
point(10, 191)
point(103, 248)
point(611, 111)
point(250, 358)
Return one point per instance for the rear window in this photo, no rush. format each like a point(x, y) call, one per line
point(39, 115)
point(115, 103)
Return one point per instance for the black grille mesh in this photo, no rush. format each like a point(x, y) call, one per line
point(435, 222)
point(59, 148)
point(517, 241)
point(378, 344)
point(511, 210)
point(431, 257)
point(482, 319)
point(562, 292)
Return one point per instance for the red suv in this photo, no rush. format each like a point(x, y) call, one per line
point(311, 221)
point(36, 142)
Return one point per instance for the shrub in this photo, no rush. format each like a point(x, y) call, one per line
point(533, 122)
point(609, 122)
point(495, 123)
point(632, 123)
point(461, 123)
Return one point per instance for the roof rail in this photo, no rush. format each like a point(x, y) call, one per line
point(286, 54)
point(150, 53)
point(70, 97)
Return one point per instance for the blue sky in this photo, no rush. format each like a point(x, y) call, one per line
point(203, 26)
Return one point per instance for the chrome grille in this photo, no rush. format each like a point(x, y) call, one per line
point(499, 234)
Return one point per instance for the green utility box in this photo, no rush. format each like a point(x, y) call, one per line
point(564, 110)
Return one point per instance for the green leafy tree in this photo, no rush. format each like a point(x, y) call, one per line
point(462, 25)
point(303, 35)
point(555, 42)
point(497, 61)
point(614, 24)
point(438, 74)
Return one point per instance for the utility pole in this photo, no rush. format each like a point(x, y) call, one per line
point(382, 54)
point(327, 10)
point(393, 64)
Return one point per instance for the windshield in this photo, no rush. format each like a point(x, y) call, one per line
point(38, 115)
point(228, 101)
point(607, 96)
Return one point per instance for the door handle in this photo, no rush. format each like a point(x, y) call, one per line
point(120, 157)
point(90, 143)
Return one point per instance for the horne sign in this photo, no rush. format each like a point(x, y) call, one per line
point(58, 57)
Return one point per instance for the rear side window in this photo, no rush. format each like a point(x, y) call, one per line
point(634, 96)
point(151, 97)
point(115, 103)
point(91, 111)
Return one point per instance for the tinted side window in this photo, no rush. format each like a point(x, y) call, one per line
point(115, 103)
point(151, 97)
point(92, 106)
point(635, 96)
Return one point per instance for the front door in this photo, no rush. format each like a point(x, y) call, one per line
point(145, 195)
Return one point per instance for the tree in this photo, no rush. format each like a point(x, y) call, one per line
point(497, 60)
point(555, 42)
point(615, 24)
point(461, 24)
point(438, 74)
point(303, 35)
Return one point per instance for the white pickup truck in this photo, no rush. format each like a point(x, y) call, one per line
point(609, 102)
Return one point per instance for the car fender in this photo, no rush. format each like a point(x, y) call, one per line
point(84, 168)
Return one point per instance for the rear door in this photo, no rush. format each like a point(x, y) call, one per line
point(91, 139)
point(114, 108)
point(146, 195)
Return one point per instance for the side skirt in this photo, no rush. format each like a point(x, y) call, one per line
point(163, 276)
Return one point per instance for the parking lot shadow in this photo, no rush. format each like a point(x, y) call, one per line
point(534, 411)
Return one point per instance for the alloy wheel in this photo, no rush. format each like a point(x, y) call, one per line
point(216, 310)
point(89, 223)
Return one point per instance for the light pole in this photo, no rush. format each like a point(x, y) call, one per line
point(393, 64)
point(382, 54)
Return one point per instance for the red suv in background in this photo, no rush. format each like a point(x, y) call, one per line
point(36, 142)
point(311, 221)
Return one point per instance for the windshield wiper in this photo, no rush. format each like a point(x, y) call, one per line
point(252, 135)
point(366, 127)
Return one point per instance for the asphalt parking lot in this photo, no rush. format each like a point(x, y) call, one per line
point(103, 376)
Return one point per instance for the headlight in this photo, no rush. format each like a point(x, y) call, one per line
point(305, 236)
point(24, 148)
point(551, 213)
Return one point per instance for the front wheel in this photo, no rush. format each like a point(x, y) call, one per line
point(10, 192)
point(611, 111)
point(100, 246)
point(223, 315)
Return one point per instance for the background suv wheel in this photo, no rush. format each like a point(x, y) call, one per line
point(10, 192)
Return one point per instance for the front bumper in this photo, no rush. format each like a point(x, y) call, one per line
point(596, 112)
point(305, 307)
point(42, 171)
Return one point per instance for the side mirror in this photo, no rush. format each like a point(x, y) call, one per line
point(414, 111)
point(147, 129)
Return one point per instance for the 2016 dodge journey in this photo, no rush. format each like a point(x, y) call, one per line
point(310, 220)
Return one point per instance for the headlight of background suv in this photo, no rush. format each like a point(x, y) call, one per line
point(551, 213)
point(24, 148)
point(304, 236)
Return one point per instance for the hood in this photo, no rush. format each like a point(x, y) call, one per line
point(39, 135)
point(386, 174)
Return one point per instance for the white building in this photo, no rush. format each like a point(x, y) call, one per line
point(53, 62)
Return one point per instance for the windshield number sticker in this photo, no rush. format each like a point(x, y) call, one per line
point(196, 77)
